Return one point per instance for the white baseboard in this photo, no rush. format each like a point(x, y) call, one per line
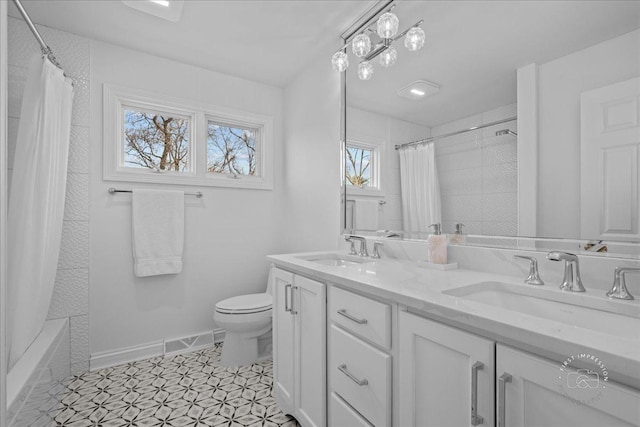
point(107, 359)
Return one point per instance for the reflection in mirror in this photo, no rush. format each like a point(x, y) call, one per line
point(531, 113)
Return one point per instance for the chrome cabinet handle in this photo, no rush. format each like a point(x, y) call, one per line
point(475, 418)
point(502, 381)
point(344, 313)
point(292, 291)
point(286, 298)
point(343, 368)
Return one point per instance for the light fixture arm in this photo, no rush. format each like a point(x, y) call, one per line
point(385, 43)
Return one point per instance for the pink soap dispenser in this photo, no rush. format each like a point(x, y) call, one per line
point(437, 245)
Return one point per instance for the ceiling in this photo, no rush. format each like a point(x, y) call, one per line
point(263, 41)
point(473, 49)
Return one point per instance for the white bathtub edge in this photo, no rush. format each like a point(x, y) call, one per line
point(38, 353)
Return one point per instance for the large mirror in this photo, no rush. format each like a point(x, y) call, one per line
point(528, 113)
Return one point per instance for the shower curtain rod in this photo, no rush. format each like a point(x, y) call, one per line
point(433, 138)
point(46, 50)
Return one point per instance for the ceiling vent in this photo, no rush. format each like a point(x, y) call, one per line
point(171, 10)
point(418, 90)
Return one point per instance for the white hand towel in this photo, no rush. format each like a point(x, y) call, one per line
point(158, 232)
point(366, 217)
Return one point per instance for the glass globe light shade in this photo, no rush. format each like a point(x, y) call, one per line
point(361, 45)
point(387, 25)
point(388, 57)
point(414, 40)
point(365, 70)
point(340, 61)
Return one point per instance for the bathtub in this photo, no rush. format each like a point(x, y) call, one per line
point(36, 381)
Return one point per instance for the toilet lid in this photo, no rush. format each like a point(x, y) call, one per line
point(251, 303)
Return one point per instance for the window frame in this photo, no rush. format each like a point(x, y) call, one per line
point(117, 98)
point(375, 189)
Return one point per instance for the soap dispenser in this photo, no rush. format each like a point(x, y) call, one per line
point(458, 238)
point(437, 245)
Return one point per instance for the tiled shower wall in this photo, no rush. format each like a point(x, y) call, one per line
point(71, 292)
point(478, 174)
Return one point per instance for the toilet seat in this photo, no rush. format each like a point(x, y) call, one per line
point(245, 304)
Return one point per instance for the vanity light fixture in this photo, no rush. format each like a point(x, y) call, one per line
point(418, 90)
point(387, 32)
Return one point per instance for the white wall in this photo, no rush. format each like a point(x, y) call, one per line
point(560, 83)
point(385, 132)
point(228, 232)
point(71, 290)
point(312, 158)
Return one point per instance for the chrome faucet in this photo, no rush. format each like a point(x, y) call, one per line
point(619, 288)
point(376, 246)
point(571, 281)
point(363, 245)
point(352, 249)
point(534, 275)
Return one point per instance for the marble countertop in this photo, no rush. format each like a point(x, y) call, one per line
point(421, 290)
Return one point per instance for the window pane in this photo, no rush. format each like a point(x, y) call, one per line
point(358, 170)
point(156, 141)
point(231, 149)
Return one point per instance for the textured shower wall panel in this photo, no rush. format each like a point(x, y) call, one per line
point(71, 291)
point(478, 174)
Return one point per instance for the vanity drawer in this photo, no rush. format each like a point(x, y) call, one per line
point(343, 415)
point(365, 317)
point(361, 375)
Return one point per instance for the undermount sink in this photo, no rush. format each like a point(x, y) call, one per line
point(620, 318)
point(337, 260)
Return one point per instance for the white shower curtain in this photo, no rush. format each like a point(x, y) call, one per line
point(420, 190)
point(36, 202)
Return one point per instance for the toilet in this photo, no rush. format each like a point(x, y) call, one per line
point(247, 322)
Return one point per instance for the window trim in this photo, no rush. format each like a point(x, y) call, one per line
point(116, 98)
point(376, 188)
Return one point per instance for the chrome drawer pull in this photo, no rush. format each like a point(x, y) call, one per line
point(475, 418)
point(502, 381)
point(344, 313)
point(343, 368)
point(286, 298)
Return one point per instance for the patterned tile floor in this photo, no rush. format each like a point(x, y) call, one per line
point(185, 390)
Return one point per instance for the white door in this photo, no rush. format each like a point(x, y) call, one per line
point(446, 375)
point(610, 151)
point(283, 341)
point(310, 331)
point(533, 391)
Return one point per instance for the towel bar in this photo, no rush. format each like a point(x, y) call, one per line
point(113, 191)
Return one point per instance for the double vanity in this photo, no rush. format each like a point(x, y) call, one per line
point(361, 341)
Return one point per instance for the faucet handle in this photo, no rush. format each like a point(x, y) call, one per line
point(376, 246)
point(352, 251)
point(534, 275)
point(619, 288)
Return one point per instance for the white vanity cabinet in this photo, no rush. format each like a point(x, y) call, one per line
point(299, 351)
point(533, 391)
point(446, 375)
point(360, 365)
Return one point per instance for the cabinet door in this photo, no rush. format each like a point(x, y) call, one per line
point(283, 340)
point(446, 375)
point(310, 332)
point(533, 391)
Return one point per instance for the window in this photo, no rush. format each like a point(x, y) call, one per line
point(156, 141)
point(361, 166)
point(231, 149)
point(151, 138)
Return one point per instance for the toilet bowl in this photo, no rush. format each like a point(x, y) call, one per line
point(245, 319)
